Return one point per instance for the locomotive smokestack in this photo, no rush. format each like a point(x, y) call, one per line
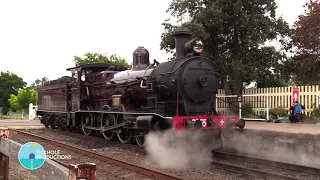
point(181, 37)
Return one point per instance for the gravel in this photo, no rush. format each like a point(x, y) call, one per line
point(17, 172)
point(128, 153)
point(105, 171)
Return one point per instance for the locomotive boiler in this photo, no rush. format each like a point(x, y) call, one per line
point(107, 98)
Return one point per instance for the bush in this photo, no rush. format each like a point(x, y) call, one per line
point(278, 112)
point(246, 110)
point(315, 112)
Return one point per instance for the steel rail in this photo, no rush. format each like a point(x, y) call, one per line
point(251, 172)
point(266, 162)
point(95, 137)
point(127, 165)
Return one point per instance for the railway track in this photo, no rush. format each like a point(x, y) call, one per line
point(95, 137)
point(254, 172)
point(251, 172)
point(266, 163)
point(127, 165)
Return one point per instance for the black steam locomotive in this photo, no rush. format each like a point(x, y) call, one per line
point(177, 94)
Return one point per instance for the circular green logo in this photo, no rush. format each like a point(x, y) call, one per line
point(31, 155)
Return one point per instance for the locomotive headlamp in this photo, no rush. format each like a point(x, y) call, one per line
point(198, 46)
point(195, 45)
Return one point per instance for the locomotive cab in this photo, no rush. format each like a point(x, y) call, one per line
point(81, 86)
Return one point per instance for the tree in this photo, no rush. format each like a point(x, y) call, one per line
point(305, 37)
point(38, 82)
point(10, 84)
point(233, 33)
point(44, 79)
point(23, 99)
point(91, 58)
point(13, 102)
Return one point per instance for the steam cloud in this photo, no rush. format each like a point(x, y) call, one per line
point(180, 149)
point(186, 149)
point(283, 149)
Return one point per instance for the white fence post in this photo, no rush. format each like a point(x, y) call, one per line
point(32, 111)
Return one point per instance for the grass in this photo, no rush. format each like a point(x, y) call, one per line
point(14, 116)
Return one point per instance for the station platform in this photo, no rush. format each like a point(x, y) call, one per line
point(284, 142)
point(284, 127)
point(20, 124)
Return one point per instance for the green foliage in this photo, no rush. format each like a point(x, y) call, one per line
point(233, 33)
point(275, 113)
point(315, 112)
point(246, 110)
point(10, 83)
point(91, 58)
point(13, 101)
point(306, 62)
point(23, 99)
point(306, 28)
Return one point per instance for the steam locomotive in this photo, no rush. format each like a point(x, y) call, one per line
point(178, 94)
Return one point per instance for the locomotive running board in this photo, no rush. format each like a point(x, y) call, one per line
point(126, 113)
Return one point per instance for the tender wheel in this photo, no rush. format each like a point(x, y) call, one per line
point(64, 124)
point(87, 121)
point(107, 120)
point(44, 120)
point(56, 123)
point(51, 121)
point(139, 137)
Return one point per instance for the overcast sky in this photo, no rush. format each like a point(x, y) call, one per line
point(40, 37)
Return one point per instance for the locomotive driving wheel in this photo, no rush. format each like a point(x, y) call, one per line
point(124, 135)
point(106, 121)
point(87, 120)
point(140, 137)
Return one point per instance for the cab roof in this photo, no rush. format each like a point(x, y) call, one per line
point(98, 67)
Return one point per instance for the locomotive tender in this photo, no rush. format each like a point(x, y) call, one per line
point(177, 94)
